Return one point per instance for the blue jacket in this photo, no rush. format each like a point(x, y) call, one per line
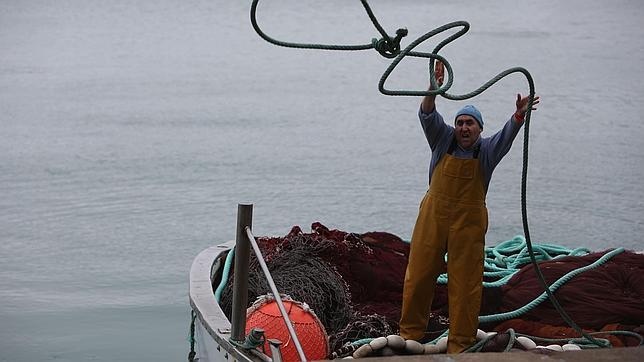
point(491, 149)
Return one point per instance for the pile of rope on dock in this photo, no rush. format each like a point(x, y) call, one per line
point(353, 282)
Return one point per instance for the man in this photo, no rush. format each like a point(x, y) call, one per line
point(453, 218)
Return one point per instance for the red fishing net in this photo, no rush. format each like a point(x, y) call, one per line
point(353, 283)
point(610, 293)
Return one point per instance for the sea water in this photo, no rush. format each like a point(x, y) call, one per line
point(130, 131)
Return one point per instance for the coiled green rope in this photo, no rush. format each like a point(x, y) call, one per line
point(506, 259)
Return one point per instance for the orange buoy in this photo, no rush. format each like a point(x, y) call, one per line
point(265, 314)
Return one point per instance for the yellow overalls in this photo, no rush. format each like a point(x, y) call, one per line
point(453, 219)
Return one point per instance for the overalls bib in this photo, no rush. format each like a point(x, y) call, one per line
point(453, 219)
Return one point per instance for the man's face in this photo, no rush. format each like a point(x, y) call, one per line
point(467, 130)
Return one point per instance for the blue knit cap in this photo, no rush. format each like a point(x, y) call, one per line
point(470, 110)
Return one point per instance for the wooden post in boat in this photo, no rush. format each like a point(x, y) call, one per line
point(242, 259)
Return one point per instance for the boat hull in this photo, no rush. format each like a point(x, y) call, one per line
point(212, 328)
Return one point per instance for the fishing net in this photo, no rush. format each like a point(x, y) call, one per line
point(304, 276)
point(363, 326)
point(611, 293)
point(354, 283)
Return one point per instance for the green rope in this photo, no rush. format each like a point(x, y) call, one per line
point(506, 259)
point(513, 338)
point(362, 341)
point(224, 274)
point(191, 337)
point(478, 346)
point(389, 48)
point(543, 296)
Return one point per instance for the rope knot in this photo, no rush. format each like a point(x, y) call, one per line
point(388, 47)
point(255, 338)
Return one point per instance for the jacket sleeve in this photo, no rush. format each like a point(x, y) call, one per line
point(501, 142)
point(435, 129)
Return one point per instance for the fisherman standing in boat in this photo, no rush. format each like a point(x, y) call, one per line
point(453, 218)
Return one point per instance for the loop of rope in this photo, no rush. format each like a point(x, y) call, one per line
point(388, 49)
point(253, 19)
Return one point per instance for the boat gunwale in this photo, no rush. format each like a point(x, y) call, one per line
point(202, 299)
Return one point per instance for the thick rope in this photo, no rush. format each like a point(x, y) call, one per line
point(541, 298)
point(387, 46)
point(224, 274)
point(391, 51)
point(507, 258)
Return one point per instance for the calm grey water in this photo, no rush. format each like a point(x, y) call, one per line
point(129, 131)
